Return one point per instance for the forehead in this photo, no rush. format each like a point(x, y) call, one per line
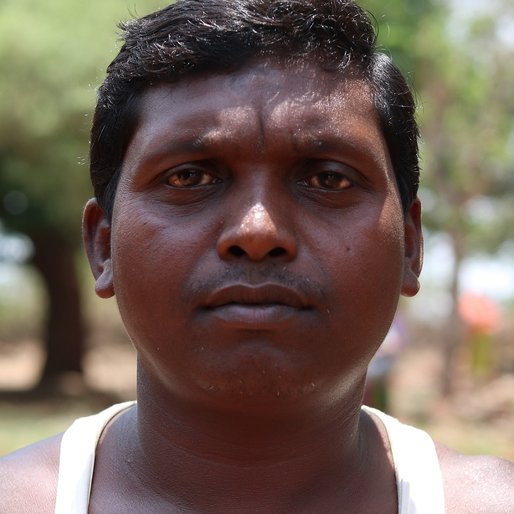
point(265, 100)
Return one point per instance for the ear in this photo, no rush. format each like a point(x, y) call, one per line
point(413, 259)
point(96, 232)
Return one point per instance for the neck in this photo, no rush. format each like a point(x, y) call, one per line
point(266, 461)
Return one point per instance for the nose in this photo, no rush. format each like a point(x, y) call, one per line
point(255, 236)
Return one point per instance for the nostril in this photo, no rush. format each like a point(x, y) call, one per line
point(236, 251)
point(277, 252)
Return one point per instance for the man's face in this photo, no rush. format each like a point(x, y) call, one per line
point(258, 244)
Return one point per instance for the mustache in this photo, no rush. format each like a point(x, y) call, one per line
point(309, 288)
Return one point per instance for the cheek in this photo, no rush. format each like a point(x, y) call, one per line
point(383, 242)
point(384, 264)
point(368, 275)
point(365, 248)
point(151, 239)
point(152, 258)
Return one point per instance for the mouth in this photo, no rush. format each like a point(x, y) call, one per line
point(256, 307)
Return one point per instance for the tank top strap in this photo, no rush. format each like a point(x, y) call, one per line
point(77, 460)
point(418, 473)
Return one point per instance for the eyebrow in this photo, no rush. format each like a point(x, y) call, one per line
point(352, 145)
point(152, 152)
point(186, 144)
point(319, 144)
point(315, 140)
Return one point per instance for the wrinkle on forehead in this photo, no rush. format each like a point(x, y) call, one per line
point(275, 100)
point(237, 120)
point(263, 88)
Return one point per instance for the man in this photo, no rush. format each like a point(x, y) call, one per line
point(255, 215)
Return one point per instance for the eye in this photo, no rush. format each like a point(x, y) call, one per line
point(190, 177)
point(329, 180)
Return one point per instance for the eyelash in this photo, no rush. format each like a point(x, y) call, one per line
point(198, 177)
point(191, 173)
point(330, 175)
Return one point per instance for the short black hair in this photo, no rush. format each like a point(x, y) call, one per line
point(192, 37)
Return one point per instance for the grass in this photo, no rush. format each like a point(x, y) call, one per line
point(29, 422)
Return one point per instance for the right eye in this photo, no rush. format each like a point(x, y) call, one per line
point(329, 181)
point(190, 177)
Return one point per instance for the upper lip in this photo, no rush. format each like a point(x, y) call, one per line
point(262, 294)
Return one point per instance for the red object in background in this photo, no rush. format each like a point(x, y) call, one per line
point(480, 312)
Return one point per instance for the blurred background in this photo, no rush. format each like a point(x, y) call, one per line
point(448, 362)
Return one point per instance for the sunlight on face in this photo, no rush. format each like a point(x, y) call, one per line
point(257, 218)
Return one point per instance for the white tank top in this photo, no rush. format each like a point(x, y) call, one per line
point(418, 475)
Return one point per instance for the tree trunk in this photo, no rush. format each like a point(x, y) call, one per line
point(454, 326)
point(63, 327)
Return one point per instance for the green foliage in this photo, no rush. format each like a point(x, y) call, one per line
point(458, 67)
point(52, 56)
point(399, 24)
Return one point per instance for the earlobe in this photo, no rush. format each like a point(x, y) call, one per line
point(96, 232)
point(413, 258)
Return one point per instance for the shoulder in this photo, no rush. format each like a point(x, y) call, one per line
point(476, 484)
point(28, 478)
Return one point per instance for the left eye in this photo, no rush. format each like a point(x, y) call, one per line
point(328, 180)
point(190, 178)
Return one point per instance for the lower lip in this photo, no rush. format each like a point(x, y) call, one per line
point(255, 317)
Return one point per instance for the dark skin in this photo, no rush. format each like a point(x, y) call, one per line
point(257, 251)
